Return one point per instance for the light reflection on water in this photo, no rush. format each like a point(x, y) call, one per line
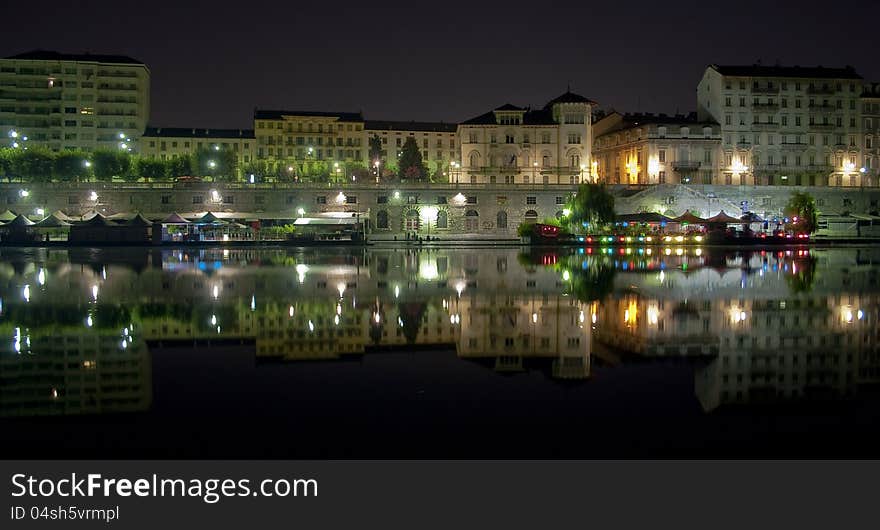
point(772, 325)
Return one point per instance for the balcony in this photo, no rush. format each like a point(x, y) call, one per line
point(822, 126)
point(766, 89)
point(686, 165)
point(765, 125)
point(821, 109)
point(824, 90)
point(793, 146)
point(766, 106)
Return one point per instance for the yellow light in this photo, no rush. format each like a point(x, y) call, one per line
point(667, 239)
point(698, 238)
point(679, 239)
point(649, 239)
point(428, 214)
point(653, 166)
point(653, 315)
point(738, 167)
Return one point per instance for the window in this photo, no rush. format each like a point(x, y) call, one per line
point(531, 199)
point(321, 199)
point(198, 199)
point(382, 219)
point(472, 199)
point(351, 199)
point(442, 219)
point(501, 219)
point(229, 199)
point(560, 200)
point(661, 155)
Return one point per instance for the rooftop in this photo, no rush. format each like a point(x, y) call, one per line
point(191, 132)
point(421, 126)
point(48, 55)
point(811, 72)
point(569, 97)
point(260, 114)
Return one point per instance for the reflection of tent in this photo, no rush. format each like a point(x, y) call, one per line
point(723, 218)
point(689, 218)
point(7, 216)
point(175, 219)
point(52, 221)
point(642, 217)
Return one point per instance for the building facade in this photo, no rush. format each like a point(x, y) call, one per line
point(437, 141)
point(518, 145)
point(655, 149)
point(301, 140)
point(786, 125)
point(68, 101)
point(871, 131)
point(163, 143)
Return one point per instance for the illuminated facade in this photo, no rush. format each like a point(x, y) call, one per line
point(786, 125)
point(871, 131)
point(656, 149)
point(166, 142)
point(65, 101)
point(518, 145)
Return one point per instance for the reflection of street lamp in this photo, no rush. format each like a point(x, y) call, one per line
point(300, 211)
point(376, 165)
point(337, 169)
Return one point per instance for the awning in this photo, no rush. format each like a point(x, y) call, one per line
point(689, 218)
point(325, 221)
point(722, 217)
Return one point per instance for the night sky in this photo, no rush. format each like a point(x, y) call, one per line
point(441, 60)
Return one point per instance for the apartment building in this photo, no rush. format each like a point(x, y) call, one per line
point(163, 143)
point(871, 132)
point(786, 124)
point(438, 142)
point(656, 149)
point(299, 139)
point(520, 145)
point(73, 101)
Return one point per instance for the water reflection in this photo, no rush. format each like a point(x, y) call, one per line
point(780, 325)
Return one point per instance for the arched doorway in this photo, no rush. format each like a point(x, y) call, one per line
point(382, 219)
point(501, 219)
point(471, 221)
point(442, 219)
point(531, 216)
point(411, 221)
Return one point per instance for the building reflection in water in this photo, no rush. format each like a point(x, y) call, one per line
point(762, 325)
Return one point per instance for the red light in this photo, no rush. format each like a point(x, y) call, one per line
point(622, 239)
point(589, 240)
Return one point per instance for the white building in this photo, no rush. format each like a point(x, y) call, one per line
point(656, 149)
point(517, 145)
point(786, 125)
point(73, 101)
point(871, 132)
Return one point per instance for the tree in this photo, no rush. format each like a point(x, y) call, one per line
point(150, 168)
point(376, 151)
point(411, 165)
point(108, 164)
point(802, 213)
point(34, 165)
point(71, 166)
point(220, 164)
point(179, 166)
point(593, 205)
point(6, 157)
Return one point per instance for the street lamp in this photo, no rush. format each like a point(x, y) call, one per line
point(300, 211)
point(376, 165)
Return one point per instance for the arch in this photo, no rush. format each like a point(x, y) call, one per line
point(474, 159)
point(471, 221)
point(531, 216)
point(574, 158)
point(442, 219)
point(411, 220)
point(382, 219)
point(559, 214)
point(501, 219)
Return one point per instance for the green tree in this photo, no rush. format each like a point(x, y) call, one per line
point(376, 151)
point(70, 166)
point(411, 166)
point(594, 205)
point(179, 166)
point(150, 168)
point(802, 212)
point(34, 165)
point(108, 164)
point(6, 157)
point(218, 163)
